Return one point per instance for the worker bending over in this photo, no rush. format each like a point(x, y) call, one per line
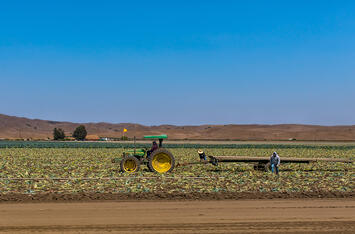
point(275, 163)
point(202, 155)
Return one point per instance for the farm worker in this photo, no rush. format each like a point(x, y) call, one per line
point(154, 147)
point(275, 163)
point(202, 155)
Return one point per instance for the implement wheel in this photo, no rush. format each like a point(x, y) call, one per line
point(161, 161)
point(130, 164)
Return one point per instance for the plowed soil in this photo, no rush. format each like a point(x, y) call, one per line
point(74, 197)
point(227, 216)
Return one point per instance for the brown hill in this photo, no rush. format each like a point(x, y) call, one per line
point(16, 127)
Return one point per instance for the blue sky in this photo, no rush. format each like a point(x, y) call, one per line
point(179, 62)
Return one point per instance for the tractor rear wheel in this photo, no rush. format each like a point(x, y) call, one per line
point(130, 164)
point(161, 161)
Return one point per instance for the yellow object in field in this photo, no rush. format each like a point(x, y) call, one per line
point(130, 164)
point(162, 162)
point(124, 130)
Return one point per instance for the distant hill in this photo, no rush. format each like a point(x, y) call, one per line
point(12, 127)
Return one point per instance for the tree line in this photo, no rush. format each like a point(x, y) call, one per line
point(79, 133)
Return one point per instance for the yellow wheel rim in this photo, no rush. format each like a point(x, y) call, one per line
point(130, 165)
point(161, 162)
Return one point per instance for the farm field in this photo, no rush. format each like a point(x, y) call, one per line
point(88, 173)
point(70, 189)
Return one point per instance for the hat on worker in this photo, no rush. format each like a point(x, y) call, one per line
point(200, 152)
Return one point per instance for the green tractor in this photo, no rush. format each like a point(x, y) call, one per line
point(160, 160)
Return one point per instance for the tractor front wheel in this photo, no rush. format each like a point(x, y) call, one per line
point(161, 161)
point(130, 164)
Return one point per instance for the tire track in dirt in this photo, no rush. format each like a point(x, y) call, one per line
point(227, 216)
point(246, 227)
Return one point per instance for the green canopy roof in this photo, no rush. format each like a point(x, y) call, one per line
point(163, 136)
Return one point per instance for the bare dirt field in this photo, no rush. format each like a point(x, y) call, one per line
point(227, 216)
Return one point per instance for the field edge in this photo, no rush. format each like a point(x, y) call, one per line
point(67, 197)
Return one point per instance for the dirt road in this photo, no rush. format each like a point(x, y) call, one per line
point(254, 216)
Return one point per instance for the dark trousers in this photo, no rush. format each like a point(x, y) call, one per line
point(149, 152)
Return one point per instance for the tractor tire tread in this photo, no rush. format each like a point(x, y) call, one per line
point(125, 159)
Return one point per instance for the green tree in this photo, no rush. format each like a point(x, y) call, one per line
point(80, 133)
point(58, 134)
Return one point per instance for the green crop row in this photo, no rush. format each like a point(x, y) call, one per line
point(113, 145)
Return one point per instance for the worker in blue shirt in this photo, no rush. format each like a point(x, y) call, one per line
point(275, 163)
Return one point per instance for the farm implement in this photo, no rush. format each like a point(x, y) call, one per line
point(260, 163)
point(263, 163)
point(162, 160)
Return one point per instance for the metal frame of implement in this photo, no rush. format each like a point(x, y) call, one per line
point(262, 163)
point(217, 159)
